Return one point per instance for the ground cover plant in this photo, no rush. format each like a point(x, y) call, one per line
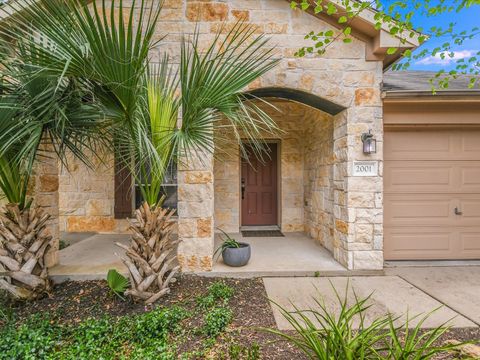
point(153, 334)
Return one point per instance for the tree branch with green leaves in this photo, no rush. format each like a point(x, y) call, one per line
point(397, 18)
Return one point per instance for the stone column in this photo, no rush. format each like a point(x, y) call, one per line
point(195, 213)
point(358, 209)
point(365, 204)
point(45, 191)
point(359, 206)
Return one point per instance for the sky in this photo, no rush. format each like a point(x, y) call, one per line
point(464, 20)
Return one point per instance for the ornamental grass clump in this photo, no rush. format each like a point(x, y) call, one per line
point(324, 334)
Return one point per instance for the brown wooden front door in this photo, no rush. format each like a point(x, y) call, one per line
point(259, 189)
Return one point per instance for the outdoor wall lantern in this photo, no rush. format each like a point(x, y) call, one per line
point(369, 143)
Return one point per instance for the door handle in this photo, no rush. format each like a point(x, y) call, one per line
point(457, 212)
point(243, 189)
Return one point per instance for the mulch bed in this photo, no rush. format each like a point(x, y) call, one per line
point(72, 302)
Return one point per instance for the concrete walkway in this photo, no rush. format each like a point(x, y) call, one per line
point(90, 258)
point(390, 294)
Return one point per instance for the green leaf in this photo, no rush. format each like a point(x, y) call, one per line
point(342, 19)
point(391, 50)
point(117, 282)
point(331, 9)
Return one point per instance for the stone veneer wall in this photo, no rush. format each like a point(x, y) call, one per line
point(87, 197)
point(341, 75)
point(289, 117)
point(318, 177)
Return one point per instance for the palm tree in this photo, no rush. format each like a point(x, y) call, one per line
point(213, 104)
point(105, 51)
point(38, 111)
point(69, 82)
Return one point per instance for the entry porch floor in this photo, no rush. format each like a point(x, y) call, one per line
point(295, 254)
point(90, 256)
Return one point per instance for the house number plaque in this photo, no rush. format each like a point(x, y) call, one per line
point(365, 168)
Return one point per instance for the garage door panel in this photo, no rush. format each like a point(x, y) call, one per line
point(470, 243)
point(418, 177)
point(469, 205)
point(470, 177)
point(470, 144)
point(432, 176)
point(418, 210)
point(419, 243)
point(409, 144)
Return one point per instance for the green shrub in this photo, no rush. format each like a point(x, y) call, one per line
point(157, 323)
point(241, 352)
point(153, 350)
point(404, 343)
point(221, 291)
point(216, 320)
point(218, 291)
point(92, 339)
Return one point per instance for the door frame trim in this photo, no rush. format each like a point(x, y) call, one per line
point(278, 142)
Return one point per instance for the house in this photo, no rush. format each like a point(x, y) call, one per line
point(402, 201)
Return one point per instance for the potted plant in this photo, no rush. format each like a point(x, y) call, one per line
point(234, 253)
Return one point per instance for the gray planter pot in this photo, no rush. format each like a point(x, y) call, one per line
point(237, 256)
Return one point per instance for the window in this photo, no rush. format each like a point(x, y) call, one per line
point(169, 189)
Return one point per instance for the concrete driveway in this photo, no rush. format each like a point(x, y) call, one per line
point(457, 287)
point(454, 291)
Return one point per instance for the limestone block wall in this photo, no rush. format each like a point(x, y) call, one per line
point(289, 117)
point(358, 207)
point(86, 197)
point(318, 177)
point(195, 212)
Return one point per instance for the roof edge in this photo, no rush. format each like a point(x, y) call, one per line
point(428, 95)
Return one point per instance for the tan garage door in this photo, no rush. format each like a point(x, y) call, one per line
point(432, 194)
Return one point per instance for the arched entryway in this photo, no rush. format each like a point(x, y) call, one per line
point(299, 174)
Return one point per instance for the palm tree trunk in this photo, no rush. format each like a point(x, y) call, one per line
point(23, 246)
point(151, 256)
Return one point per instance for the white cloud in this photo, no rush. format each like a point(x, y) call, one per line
point(448, 59)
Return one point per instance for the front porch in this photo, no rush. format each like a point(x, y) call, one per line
point(89, 257)
point(332, 221)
